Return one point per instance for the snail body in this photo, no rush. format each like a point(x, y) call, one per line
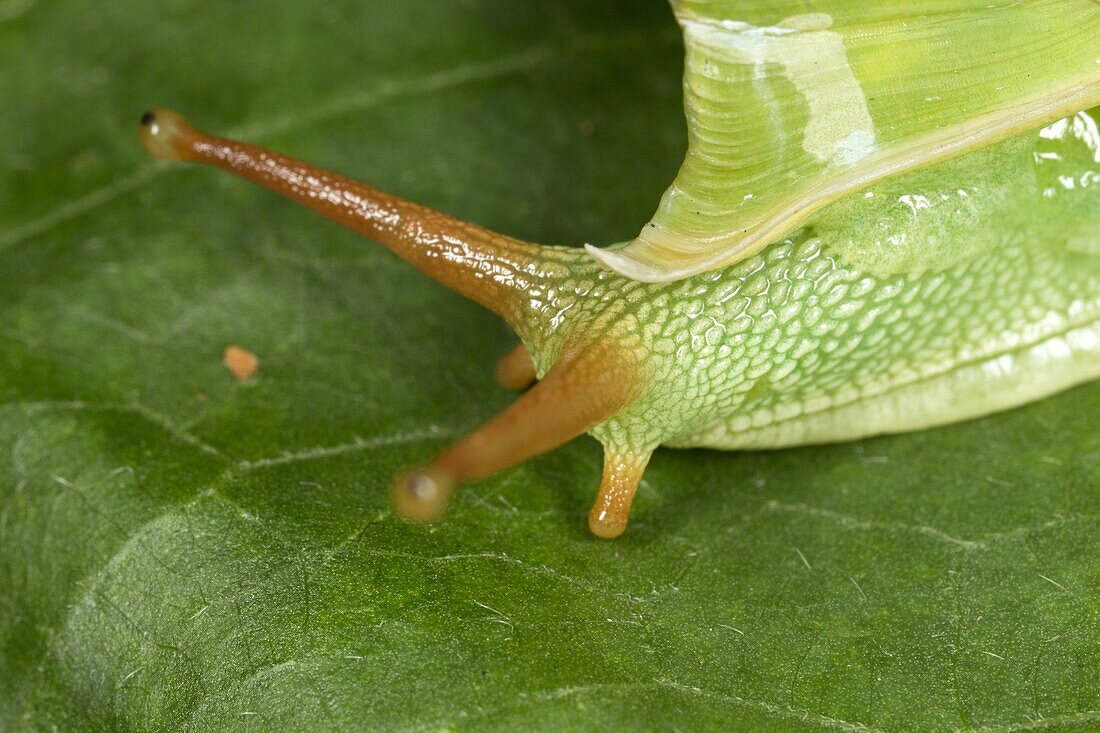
point(926, 294)
point(806, 342)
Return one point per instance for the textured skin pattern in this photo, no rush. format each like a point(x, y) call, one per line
point(797, 330)
point(794, 331)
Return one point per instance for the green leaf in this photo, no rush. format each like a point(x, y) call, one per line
point(179, 551)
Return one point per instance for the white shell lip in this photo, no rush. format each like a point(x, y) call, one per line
point(941, 145)
point(838, 143)
point(627, 266)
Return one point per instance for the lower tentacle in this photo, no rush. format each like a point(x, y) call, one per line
point(578, 393)
point(516, 369)
point(622, 472)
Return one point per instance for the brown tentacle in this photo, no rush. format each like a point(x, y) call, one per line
point(575, 395)
point(489, 268)
point(516, 369)
point(622, 472)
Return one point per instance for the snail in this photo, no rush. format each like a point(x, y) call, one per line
point(888, 219)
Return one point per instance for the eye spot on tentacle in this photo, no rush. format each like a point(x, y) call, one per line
point(421, 495)
point(166, 135)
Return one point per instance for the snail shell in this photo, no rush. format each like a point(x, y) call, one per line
point(793, 105)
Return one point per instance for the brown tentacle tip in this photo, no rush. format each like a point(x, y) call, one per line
point(516, 369)
point(607, 523)
point(166, 135)
point(421, 495)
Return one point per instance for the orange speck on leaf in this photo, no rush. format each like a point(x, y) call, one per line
point(241, 363)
